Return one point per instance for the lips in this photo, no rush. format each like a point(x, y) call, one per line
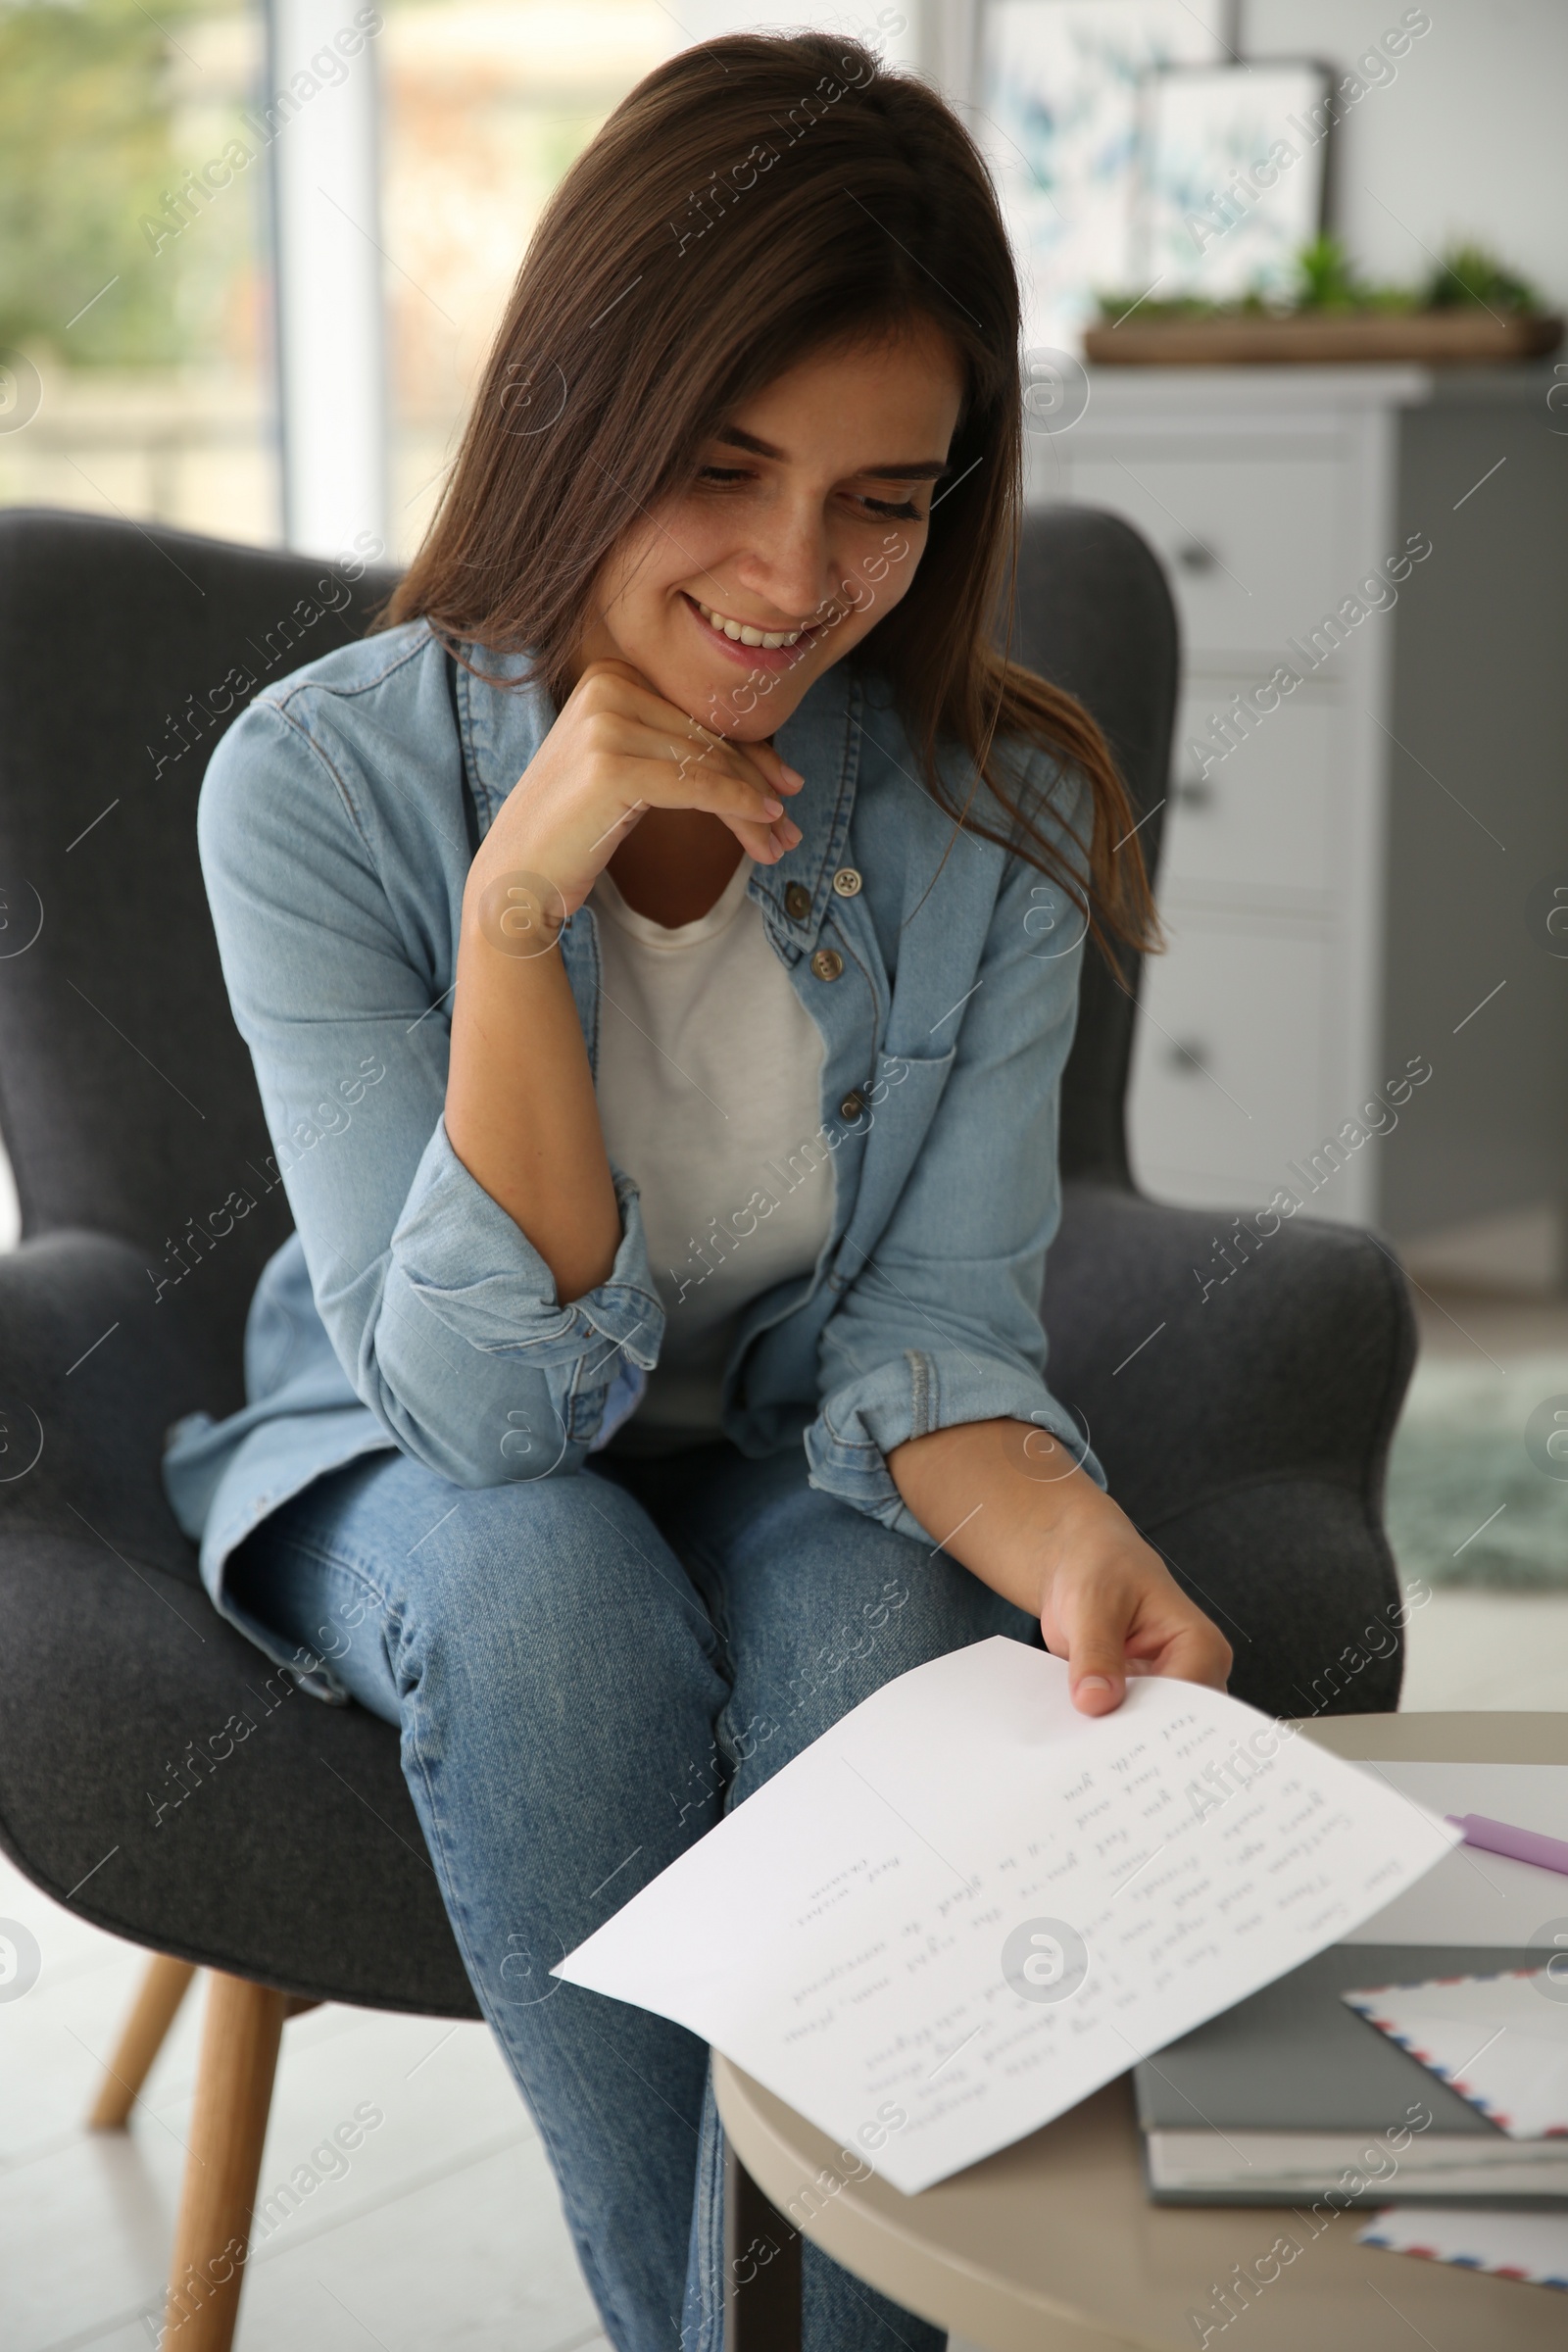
point(745, 632)
point(776, 650)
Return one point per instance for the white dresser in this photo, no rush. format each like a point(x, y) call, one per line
point(1349, 857)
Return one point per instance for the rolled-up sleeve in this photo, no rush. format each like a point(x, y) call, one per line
point(440, 1310)
point(941, 1324)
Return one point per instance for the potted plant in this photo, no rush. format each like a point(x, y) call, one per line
point(1469, 307)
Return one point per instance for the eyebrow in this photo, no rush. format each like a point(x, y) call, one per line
point(917, 469)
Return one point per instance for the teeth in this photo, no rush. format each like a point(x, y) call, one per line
point(740, 634)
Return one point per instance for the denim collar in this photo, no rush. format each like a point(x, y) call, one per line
point(503, 726)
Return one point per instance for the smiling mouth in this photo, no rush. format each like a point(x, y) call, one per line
point(745, 632)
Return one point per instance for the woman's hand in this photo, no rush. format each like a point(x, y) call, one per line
point(1108, 1605)
point(521, 1109)
point(617, 749)
point(1040, 1531)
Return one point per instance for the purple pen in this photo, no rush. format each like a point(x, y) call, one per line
point(1521, 1845)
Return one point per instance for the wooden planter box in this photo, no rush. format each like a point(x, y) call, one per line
point(1322, 337)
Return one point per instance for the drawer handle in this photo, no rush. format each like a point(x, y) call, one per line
point(1194, 556)
point(1188, 1058)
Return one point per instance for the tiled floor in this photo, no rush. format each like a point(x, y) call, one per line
point(444, 2229)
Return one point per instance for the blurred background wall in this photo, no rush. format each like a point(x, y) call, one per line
point(1469, 141)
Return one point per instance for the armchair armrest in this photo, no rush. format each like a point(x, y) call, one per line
point(1291, 1367)
point(93, 1371)
point(1244, 1429)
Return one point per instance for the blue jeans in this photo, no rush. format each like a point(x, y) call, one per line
point(587, 1671)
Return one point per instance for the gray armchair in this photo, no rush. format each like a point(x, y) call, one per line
point(1248, 1441)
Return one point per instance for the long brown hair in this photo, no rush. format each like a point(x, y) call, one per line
point(755, 199)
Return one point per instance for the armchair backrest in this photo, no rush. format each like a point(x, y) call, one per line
point(1094, 614)
point(127, 1101)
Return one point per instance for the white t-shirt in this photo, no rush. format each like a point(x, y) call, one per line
point(709, 1083)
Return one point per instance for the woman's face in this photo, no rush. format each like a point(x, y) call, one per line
point(803, 527)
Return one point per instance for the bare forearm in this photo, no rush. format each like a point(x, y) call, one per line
point(521, 1110)
point(1008, 1502)
point(996, 1495)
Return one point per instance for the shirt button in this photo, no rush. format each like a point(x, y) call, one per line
point(797, 902)
point(827, 963)
point(852, 1106)
point(847, 882)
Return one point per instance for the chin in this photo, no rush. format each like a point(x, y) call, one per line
point(756, 726)
point(724, 703)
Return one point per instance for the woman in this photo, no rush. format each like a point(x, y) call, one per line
point(671, 1134)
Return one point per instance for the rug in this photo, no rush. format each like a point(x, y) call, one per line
point(1475, 1497)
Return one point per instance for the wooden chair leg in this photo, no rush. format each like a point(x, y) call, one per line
point(233, 2095)
point(163, 1988)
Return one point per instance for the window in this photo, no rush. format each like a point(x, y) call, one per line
point(135, 367)
point(485, 104)
point(378, 168)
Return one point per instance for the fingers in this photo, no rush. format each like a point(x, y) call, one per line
point(1198, 1653)
point(1170, 1634)
point(647, 753)
point(618, 687)
point(614, 668)
point(765, 843)
point(760, 761)
point(758, 764)
point(1087, 1620)
point(667, 775)
point(1112, 1624)
point(768, 839)
point(1097, 1663)
point(774, 766)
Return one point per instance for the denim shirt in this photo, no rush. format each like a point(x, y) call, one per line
point(408, 1309)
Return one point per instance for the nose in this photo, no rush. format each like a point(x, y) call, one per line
point(789, 563)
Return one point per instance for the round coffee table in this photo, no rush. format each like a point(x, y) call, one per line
point(1052, 2245)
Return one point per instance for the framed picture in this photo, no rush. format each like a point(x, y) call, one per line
point(1233, 176)
point(1057, 118)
